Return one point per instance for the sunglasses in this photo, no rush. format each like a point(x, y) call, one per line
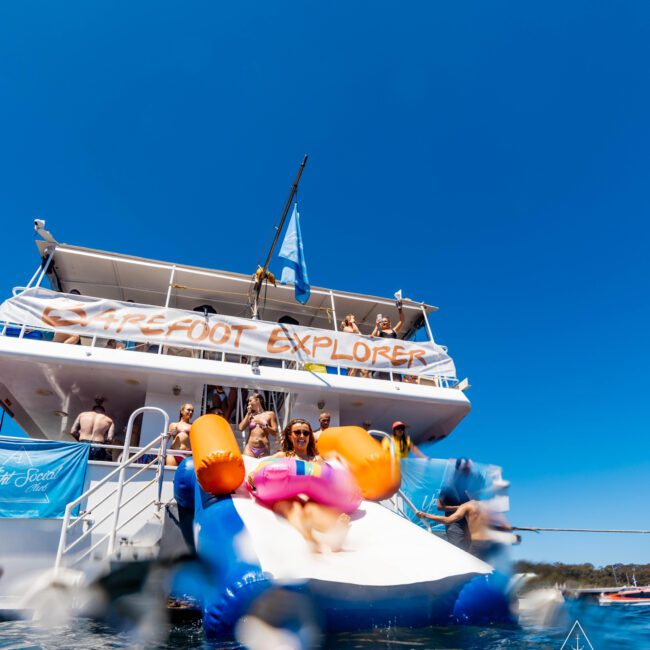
point(301, 432)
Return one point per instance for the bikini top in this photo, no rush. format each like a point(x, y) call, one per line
point(253, 424)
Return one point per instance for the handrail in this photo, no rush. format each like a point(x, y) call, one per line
point(73, 504)
point(120, 470)
point(393, 455)
point(127, 450)
point(411, 505)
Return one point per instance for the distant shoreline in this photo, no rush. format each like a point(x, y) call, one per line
point(585, 575)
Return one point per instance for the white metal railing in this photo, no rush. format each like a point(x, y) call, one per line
point(114, 507)
point(394, 501)
point(439, 381)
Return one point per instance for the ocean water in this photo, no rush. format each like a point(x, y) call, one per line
point(619, 627)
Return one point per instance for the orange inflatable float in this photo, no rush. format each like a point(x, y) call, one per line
point(217, 460)
point(377, 474)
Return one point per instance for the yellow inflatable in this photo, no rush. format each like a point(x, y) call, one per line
point(377, 474)
point(217, 460)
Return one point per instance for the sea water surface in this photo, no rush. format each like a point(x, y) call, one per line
point(623, 627)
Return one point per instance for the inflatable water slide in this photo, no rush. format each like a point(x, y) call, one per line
point(389, 571)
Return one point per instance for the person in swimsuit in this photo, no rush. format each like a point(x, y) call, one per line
point(320, 525)
point(260, 424)
point(484, 528)
point(181, 435)
point(384, 330)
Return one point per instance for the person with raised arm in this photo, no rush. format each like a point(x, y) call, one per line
point(261, 424)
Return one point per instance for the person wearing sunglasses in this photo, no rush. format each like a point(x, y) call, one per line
point(180, 432)
point(319, 524)
point(402, 442)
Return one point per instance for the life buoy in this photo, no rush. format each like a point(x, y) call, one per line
point(330, 484)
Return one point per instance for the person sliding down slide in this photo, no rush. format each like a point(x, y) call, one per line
point(283, 481)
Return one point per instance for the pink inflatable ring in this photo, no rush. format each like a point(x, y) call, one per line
point(276, 479)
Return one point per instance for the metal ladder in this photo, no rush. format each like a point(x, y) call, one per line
point(111, 505)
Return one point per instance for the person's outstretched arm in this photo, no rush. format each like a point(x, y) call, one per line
point(448, 519)
point(417, 452)
point(398, 327)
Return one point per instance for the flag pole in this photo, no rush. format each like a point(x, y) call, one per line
point(262, 273)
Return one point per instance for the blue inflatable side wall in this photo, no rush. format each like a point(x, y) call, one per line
point(229, 580)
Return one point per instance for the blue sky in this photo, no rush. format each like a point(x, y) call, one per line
point(491, 158)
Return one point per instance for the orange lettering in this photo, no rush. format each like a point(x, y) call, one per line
point(129, 318)
point(322, 342)
point(156, 319)
point(107, 317)
point(277, 335)
point(418, 354)
point(299, 343)
point(49, 318)
point(226, 333)
point(336, 356)
point(366, 350)
point(182, 325)
point(205, 330)
point(396, 360)
point(380, 351)
point(240, 329)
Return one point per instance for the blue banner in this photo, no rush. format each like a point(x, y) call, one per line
point(39, 478)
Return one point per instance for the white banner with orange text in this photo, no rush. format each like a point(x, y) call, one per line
point(125, 321)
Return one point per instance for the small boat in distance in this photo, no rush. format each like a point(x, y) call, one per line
point(626, 596)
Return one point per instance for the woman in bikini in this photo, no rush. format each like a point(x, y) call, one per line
point(319, 524)
point(181, 435)
point(260, 424)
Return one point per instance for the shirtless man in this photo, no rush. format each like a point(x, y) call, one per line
point(261, 424)
point(482, 525)
point(94, 426)
point(181, 435)
point(324, 420)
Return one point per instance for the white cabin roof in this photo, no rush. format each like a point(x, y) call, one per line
point(125, 277)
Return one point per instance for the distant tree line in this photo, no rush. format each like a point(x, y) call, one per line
point(585, 575)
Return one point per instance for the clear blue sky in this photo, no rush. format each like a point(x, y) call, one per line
point(488, 157)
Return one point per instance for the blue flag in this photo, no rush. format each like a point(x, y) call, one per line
point(295, 269)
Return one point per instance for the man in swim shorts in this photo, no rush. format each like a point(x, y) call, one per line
point(94, 427)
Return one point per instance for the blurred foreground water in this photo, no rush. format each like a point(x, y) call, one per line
point(607, 627)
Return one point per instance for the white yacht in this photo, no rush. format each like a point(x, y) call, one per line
point(151, 335)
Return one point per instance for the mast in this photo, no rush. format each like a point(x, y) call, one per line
point(262, 273)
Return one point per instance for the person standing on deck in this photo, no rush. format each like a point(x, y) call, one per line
point(180, 431)
point(94, 426)
point(402, 442)
point(384, 329)
point(261, 425)
point(324, 420)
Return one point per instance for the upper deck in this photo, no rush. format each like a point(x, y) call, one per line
point(45, 384)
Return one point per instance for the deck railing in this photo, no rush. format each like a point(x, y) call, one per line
point(20, 330)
